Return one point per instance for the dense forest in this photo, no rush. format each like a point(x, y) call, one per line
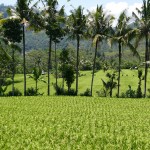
point(34, 40)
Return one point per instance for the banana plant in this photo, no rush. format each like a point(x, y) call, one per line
point(37, 72)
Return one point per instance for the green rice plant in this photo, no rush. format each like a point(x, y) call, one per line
point(74, 123)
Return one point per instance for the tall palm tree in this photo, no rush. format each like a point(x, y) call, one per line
point(77, 24)
point(5, 58)
point(142, 23)
point(49, 16)
point(123, 35)
point(13, 35)
point(59, 34)
point(100, 23)
point(22, 12)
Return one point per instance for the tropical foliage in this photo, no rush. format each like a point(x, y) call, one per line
point(95, 26)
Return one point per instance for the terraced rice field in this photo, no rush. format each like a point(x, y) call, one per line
point(72, 123)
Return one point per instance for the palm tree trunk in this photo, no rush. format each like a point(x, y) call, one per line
point(119, 69)
point(146, 65)
point(24, 60)
point(56, 65)
point(77, 64)
point(94, 67)
point(13, 71)
point(49, 64)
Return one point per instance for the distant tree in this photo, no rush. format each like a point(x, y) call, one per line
point(64, 60)
point(69, 75)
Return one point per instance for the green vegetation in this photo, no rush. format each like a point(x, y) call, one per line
point(128, 77)
point(96, 27)
point(74, 123)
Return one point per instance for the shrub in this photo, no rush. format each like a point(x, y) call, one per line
point(62, 91)
point(16, 93)
point(139, 90)
point(86, 93)
point(129, 93)
point(59, 90)
point(32, 92)
point(101, 93)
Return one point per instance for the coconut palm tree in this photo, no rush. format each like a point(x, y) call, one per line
point(13, 35)
point(59, 34)
point(5, 58)
point(77, 25)
point(23, 11)
point(142, 23)
point(123, 35)
point(100, 23)
point(49, 16)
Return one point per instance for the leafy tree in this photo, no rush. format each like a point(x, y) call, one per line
point(49, 16)
point(143, 27)
point(100, 24)
point(5, 59)
point(69, 76)
point(13, 34)
point(23, 11)
point(64, 60)
point(77, 24)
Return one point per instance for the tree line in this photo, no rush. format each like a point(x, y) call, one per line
point(96, 25)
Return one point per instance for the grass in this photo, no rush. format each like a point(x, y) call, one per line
point(74, 123)
point(128, 77)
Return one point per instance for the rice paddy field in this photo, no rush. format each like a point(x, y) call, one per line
point(72, 123)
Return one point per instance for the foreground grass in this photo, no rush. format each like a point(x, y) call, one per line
point(128, 77)
point(74, 123)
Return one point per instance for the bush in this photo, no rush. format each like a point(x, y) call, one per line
point(86, 93)
point(16, 93)
point(129, 93)
point(101, 93)
point(139, 90)
point(61, 91)
point(32, 92)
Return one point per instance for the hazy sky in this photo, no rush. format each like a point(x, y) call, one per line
point(112, 6)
